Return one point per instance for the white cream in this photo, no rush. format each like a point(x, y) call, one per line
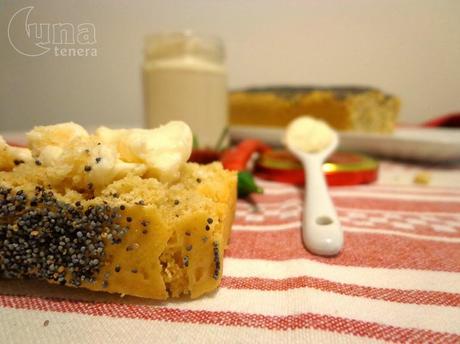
point(54, 135)
point(308, 134)
point(66, 150)
point(162, 150)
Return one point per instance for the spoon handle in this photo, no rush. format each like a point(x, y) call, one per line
point(322, 233)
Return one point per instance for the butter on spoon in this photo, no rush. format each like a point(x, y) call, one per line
point(312, 141)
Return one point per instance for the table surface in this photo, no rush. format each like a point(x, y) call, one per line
point(397, 279)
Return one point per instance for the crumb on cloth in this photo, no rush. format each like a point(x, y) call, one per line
point(422, 178)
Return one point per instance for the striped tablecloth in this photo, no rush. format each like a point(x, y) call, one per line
point(398, 278)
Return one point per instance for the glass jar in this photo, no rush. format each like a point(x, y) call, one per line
point(185, 79)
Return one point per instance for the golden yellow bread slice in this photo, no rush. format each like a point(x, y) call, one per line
point(134, 235)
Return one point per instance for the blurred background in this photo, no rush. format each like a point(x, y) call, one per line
point(408, 48)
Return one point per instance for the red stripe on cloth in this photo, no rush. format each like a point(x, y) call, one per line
point(360, 249)
point(394, 295)
point(403, 215)
point(278, 323)
point(371, 189)
point(426, 190)
point(267, 198)
point(359, 202)
point(409, 192)
point(397, 204)
point(266, 220)
point(392, 226)
point(243, 218)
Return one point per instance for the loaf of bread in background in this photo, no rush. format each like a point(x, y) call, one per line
point(359, 109)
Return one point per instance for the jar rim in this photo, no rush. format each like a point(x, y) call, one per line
point(162, 45)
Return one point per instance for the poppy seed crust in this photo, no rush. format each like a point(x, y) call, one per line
point(45, 238)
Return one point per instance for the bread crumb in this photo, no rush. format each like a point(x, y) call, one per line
point(422, 178)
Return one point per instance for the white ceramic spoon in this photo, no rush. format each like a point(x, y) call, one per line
point(322, 233)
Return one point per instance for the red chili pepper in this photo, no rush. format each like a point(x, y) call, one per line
point(237, 158)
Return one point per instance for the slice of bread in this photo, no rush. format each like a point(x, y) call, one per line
point(133, 235)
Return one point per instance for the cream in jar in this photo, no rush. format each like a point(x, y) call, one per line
point(185, 79)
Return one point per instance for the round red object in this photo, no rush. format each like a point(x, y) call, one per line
point(342, 168)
